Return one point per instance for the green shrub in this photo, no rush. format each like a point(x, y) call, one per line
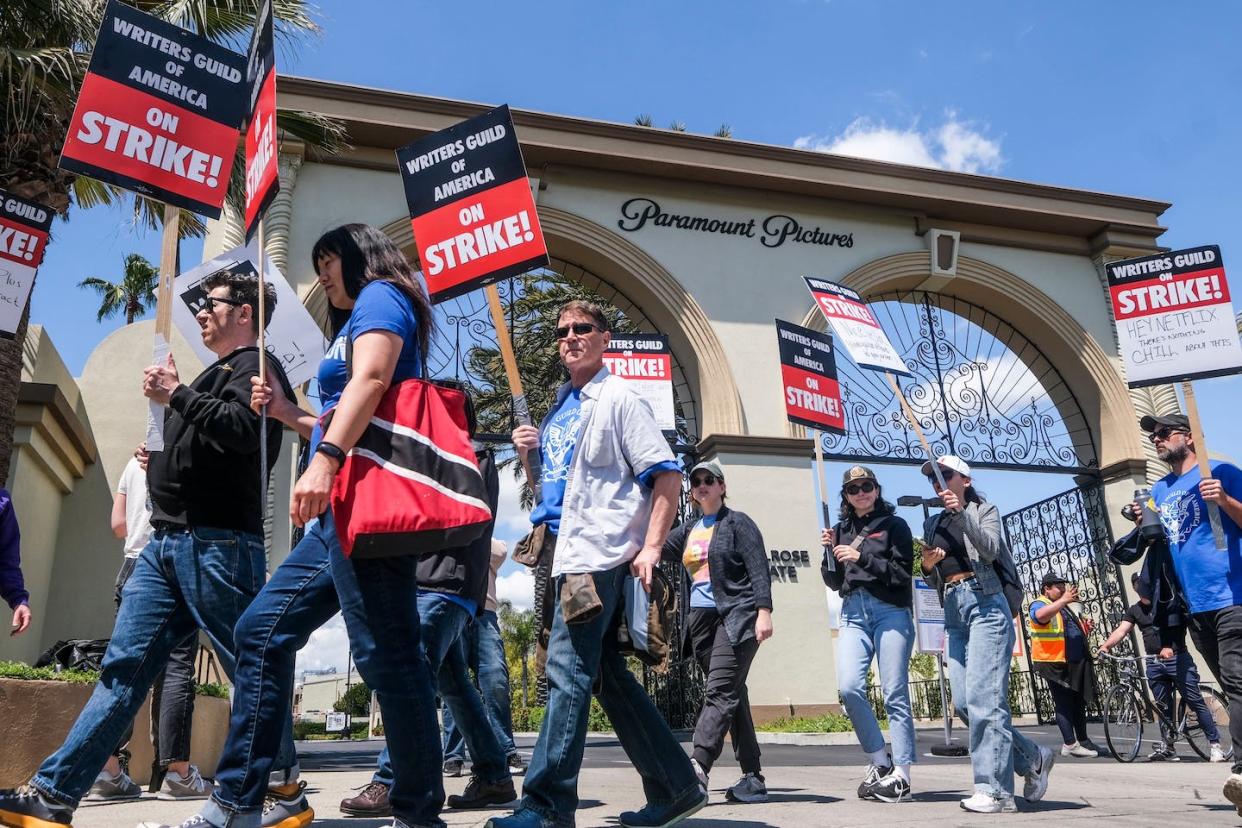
point(827, 723)
point(24, 672)
point(527, 719)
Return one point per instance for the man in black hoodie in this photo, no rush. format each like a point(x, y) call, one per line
point(205, 561)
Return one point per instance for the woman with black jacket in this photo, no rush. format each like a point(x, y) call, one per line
point(872, 556)
point(730, 616)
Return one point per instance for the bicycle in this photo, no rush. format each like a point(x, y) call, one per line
point(1126, 708)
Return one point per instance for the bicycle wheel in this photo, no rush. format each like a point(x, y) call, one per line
point(1123, 722)
point(1189, 723)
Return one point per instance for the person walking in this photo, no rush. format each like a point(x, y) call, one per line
point(965, 560)
point(1173, 668)
point(610, 489)
point(872, 553)
point(730, 615)
point(12, 586)
point(1059, 653)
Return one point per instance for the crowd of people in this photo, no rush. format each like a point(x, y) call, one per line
point(418, 624)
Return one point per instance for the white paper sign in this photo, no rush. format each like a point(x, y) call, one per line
point(645, 362)
point(293, 338)
point(24, 228)
point(855, 327)
point(155, 411)
point(928, 618)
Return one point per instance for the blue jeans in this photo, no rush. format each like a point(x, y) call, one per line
point(485, 653)
point(183, 581)
point(873, 628)
point(577, 653)
point(1181, 673)
point(444, 625)
point(376, 597)
point(981, 636)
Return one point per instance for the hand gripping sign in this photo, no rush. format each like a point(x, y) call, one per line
point(262, 179)
point(158, 112)
point(24, 227)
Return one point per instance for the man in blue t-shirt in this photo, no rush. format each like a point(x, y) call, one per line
point(1211, 577)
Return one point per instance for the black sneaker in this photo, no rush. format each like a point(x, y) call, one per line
point(892, 788)
point(28, 807)
point(874, 774)
point(749, 789)
point(517, 765)
point(452, 767)
point(480, 794)
point(664, 816)
point(1163, 753)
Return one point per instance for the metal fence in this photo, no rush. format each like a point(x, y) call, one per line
point(925, 696)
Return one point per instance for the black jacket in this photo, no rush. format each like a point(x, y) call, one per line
point(885, 561)
point(738, 568)
point(208, 472)
point(464, 570)
point(1171, 612)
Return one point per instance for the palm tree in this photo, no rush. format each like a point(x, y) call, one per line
point(518, 632)
point(132, 295)
point(44, 52)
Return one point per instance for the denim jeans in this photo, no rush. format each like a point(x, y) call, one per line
point(1181, 672)
point(376, 598)
point(981, 636)
point(183, 581)
point(485, 653)
point(873, 628)
point(577, 653)
point(444, 625)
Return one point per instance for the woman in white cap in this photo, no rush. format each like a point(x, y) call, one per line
point(872, 555)
point(730, 616)
point(968, 562)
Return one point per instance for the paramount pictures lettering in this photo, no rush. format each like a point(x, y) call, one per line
point(771, 232)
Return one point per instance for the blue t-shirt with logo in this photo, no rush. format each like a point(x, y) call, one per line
point(1211, 578)
point(556, 448)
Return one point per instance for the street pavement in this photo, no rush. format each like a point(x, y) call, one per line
point(809, 786)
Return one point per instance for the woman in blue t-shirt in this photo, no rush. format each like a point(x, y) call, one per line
point(381, 324)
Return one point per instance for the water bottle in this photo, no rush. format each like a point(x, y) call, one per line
point(1149, 525)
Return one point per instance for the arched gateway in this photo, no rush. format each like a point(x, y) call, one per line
point(707, 238)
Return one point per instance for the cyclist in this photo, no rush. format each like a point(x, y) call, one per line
point(1173, 666)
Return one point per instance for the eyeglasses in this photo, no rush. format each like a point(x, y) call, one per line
point(579, 329)
point(1165, 433)
point(704, 480)
point(866, 487)
point(949, 474)
point(210, 302)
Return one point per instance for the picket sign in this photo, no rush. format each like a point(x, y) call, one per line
point(24, 230)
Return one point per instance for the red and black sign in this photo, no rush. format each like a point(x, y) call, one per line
point(24, 227)
point(1174, 281)
point(159, 112)
point(809, 378)
point(470, 205)
point(646, 363)
point(262, 179)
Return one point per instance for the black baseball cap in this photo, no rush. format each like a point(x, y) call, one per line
point(1053, 578)
point(1152, 422)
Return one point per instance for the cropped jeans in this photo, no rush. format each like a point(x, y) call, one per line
point(484, 651)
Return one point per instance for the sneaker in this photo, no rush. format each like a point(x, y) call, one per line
point(874, 774)
point(1163, 753)
point(891, 788)
point(749, 790)
point(1080, 750)
point(1037, 780)
point(117, 788)
point(196, 821)
point(699, 774)
point(1233, 792)
point(517, 765)
point(982, 803)
point(452, 767)
point(372, 802)
point(480, 794)
point(1090, 745)
point(177, 786)
point(521, 818)
point(1218, 754)
point(29, 808)
point(287, 810)
point(663, 816)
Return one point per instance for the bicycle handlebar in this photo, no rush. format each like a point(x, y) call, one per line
point(1135, 658)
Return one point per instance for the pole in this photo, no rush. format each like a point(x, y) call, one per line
point(521, 411)
point(163, 319)
point(817, 436)
point(944, 701)
point(1201, 454)
point(914, 423)
point(262, 319)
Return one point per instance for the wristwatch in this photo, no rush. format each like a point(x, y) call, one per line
point(331, 450)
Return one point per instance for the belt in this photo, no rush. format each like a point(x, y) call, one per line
point(965, 579)
point(168, 526)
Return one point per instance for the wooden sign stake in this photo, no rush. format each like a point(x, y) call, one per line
point(824, 506)
point(521, 411)
point(909, 412)
point(1201, 453)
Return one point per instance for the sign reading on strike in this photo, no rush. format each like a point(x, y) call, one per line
point(23, 236)
point(470, 205)
point(1175, 320)
point(645, 361)
point(855, 326)
point(809, 378)
point(262, 180)
point(158, 112)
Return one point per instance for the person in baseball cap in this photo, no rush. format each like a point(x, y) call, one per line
point(947, 461)
point(1174, 422)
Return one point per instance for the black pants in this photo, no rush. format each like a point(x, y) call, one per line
point(172, 699)
point(1071, 712)
point(1218, 635)
point(726, 706)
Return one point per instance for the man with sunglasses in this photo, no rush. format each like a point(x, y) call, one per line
point(1211, 578)
point(205, 560)
point(610, 490)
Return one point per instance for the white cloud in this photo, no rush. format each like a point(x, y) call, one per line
point(328, 647)
point(954, 145)
point(517, 587)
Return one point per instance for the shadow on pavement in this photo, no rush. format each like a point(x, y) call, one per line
point(798, 795)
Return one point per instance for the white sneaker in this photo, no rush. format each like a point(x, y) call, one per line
point(982, 803)
point(1218, 754)
point(699, 773)
point(1233, 791)
point(1037, 780)
point(192, 786)
point(1080, 750)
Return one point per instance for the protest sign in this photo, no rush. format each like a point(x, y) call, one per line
point(928, 618)
point(293, 338)
point(470, 204)
point(24, 227)
point(158, 112)
point(646, 363)
point(262, 179)
point(855, 327)
point(1174, 318)
point(809, 376)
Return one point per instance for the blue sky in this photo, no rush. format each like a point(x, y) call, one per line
point(1139, 98)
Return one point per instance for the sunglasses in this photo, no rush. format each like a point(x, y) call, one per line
point(704, 480)
point(1165, 433)
point(949, 474)
point(210, 302)
point(579, 329)
point(862, 488)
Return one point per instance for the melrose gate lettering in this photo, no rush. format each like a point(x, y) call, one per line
point(773, 231)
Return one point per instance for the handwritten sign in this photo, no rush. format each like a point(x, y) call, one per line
point(24, 226)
